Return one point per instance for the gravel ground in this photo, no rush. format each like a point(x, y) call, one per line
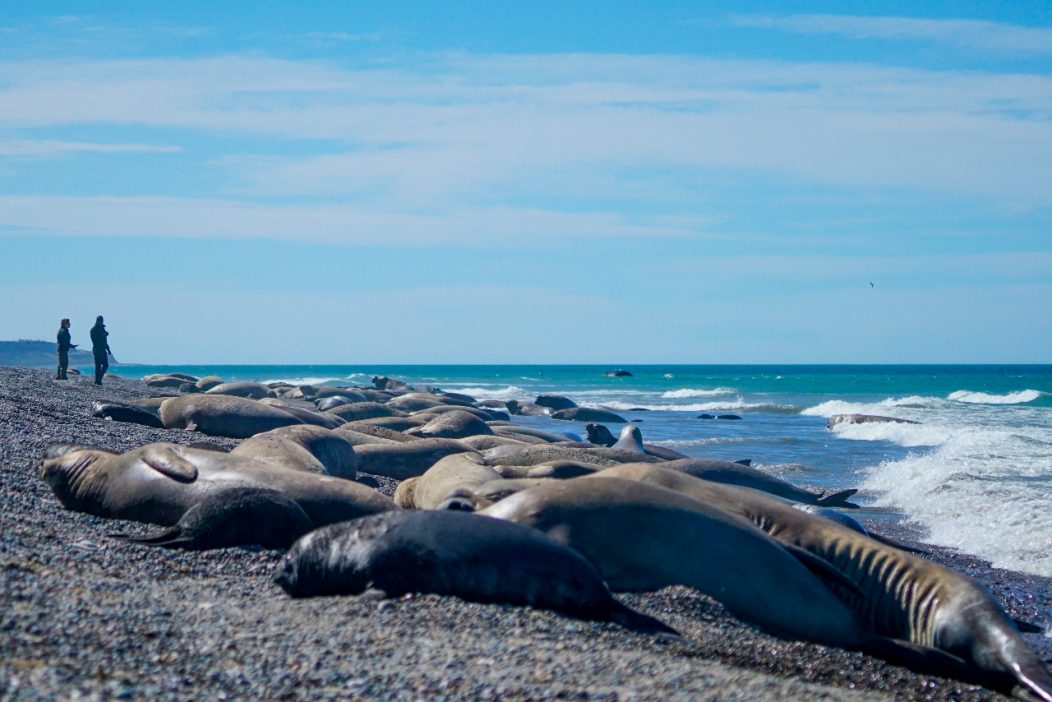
point(86, 617)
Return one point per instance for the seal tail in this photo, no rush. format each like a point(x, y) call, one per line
point(641, 623)
point(838, 499)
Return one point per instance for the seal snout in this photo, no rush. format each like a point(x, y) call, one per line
point(286, 577)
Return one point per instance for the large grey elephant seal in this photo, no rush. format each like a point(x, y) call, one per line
point(457, 473)
point(223, 415)
point(159, 483)
point(631, 439)
point(407, 460)
point(746, 476)
point(252, 391)
point(355, 411)
point(588, 414)
point(930, 617)
point(644, 537)
point(208, 382)
point(303, 447)
point(555, 402)
point(305, 415)
point(457, 424)
point(532, 454)
point(475, 558)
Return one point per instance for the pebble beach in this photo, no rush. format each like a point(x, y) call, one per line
point(84, 616)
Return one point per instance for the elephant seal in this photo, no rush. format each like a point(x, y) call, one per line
point(324, 404)
point(484, 443)
point(223, 415)
point(407, 460)
point(746, 476)
point(474, 558)
point(864, 419)
point(532, 454)
point(303, 447)
point(207, 383)
point(233, 517)
point(517, 432)
point(527, 409)
point(452, 425)
point(588, 414)
point(159, 483)
point(253, 391)
point(563, 470)
point(355, 411)
point(457, 473)
point(382, 382)
point(318, 419)
point(927, 616)
point(642, 537)
point(631, 440)
point(555, 402)
point(120, 412)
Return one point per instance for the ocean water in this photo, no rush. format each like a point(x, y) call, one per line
point(975, 473)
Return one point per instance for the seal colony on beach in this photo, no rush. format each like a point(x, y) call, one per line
point(728, 530)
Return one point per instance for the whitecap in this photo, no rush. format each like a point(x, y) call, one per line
point(982, 398)
point(683, 393)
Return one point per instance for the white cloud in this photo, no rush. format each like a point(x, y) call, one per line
point(51, 148)
point(343, 224)
point(969, 34)
point(455, 144)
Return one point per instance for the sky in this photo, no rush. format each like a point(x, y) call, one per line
point(530, 182)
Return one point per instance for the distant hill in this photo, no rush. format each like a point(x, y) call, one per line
point(39, 354)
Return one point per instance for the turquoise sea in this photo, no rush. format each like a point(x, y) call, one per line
point(975, 473)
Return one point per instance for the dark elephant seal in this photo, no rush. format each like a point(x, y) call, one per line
point(457, 473)
point(643, 537)
point(474, 558)
point(555, 402)
point(588, 414)
point(120, 412)
point(927, 616)
point(253, 391)
point(223, 415)
point(732, 473)
point(303, 447)
point(159, 483)
point(407, 460)
point(233, 517)
point(452, 425)
point(382, 382)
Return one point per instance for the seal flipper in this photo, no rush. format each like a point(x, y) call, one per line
point(641, 623)
point(838, 499)
point(166, 461)
point(1027, 627)
point(822, 568)
point(239, 516)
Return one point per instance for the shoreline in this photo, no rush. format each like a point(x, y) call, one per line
point(83, 613)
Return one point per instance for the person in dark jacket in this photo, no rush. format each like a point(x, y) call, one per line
point(63, 348)
point(100, 348)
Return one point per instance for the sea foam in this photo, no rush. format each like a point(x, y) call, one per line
point(1012, 398)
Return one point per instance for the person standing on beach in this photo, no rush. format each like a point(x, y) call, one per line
point(64, 346)
point(100, 348)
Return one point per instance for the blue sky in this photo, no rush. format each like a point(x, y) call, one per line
point(571, 182)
